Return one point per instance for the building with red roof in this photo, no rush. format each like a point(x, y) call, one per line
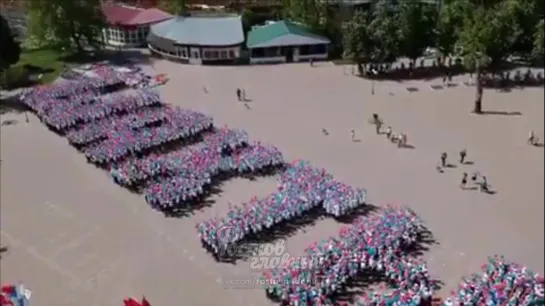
point(129, 26)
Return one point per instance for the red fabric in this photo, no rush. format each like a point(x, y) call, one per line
point(8, 289)
point(145, 302)
point(131, 302)
point(4, 301)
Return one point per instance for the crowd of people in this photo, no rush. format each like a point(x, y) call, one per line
point(375, 244)
point(128, 130)
point(501, 283)
point(302, 187)
point(14, 295)
point(109, 125)
point(179, 124)
point(203, 168)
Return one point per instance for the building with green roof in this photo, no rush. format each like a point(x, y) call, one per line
point(285, 41)
point(198, 40)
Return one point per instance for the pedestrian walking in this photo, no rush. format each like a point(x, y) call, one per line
point(474, 177)
point(26, 117)
point(531, 138)
point(444, 159)
point(463, 155)
point(463, 183)
point(239, 94)
point(484, 184)
point(353, 134)
point(244, 95)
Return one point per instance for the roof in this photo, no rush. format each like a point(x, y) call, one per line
point(126, 15)
point(202, 31)
point(283, 33)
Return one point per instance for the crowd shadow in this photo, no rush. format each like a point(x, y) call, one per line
point(190, 207)
point(243, 250)
point(286, 229)
point(372, 279)
point(362, 210)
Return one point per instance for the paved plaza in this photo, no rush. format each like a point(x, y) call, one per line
point(72, 235)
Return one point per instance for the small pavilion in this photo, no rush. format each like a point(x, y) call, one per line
point(285, 42)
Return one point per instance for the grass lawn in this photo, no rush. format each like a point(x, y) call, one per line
point(42, 61)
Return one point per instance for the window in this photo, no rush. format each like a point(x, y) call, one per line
point(207, 54)
point(231, 54)
point(304, 50)
point(223, 54)
point(319, 49)
point(184, 53)
point(215, 54)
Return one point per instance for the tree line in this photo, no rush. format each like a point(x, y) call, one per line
point(484, 33)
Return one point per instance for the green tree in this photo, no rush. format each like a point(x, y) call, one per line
point(385, 29)
point(416, 24)
point(539, 40)
point(449, 24)
point(487, 37)
point(70, 24)
point(10, 50)
point(174, 7)
point(357, 40)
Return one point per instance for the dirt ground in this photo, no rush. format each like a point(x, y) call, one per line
point(72, 235)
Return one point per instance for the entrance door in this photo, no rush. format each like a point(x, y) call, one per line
point(288, 51)
point(195, 56)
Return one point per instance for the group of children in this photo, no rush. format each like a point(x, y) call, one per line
point(398, 138)
point(476, 177)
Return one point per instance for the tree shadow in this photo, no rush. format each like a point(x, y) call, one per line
point(12, 105)
point(9, 122)
point(116, 57)
point(502, 113)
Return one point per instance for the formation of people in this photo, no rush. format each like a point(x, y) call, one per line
point(130, 131)
point(302, 187)
point(378, 243)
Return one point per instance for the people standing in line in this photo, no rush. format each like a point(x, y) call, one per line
point(463, 155)
point(389, 133)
